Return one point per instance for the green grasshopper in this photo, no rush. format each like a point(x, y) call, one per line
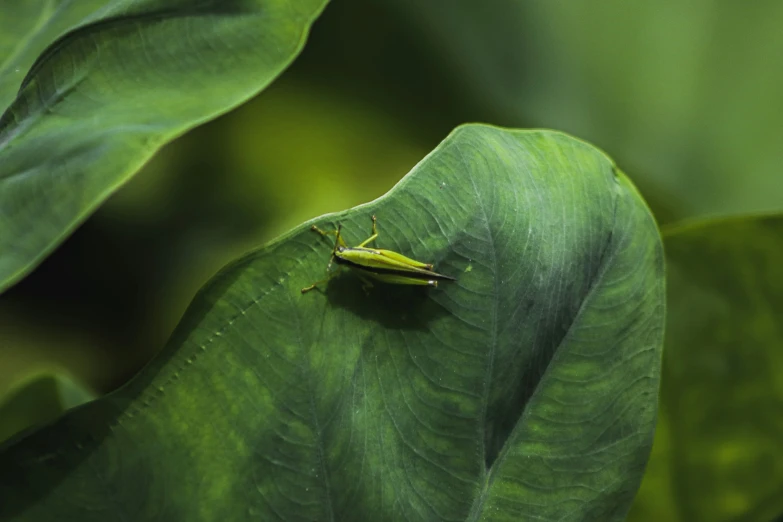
point(383, 265)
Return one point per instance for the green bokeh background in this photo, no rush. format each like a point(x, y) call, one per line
point(686, 98)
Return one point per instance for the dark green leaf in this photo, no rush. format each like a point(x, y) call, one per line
point(686, 93)
point(527, 389)
point(102, 98)
point(718, 454)
point(42, 398)
point(27, 28)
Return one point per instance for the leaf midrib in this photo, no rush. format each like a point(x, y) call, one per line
point(604, 264)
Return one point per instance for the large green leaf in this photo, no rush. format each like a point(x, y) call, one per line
point(525, 390)
point(27, 28)
point(40, 398)
point(103, 97)
point(718, 454)
point(684, 93)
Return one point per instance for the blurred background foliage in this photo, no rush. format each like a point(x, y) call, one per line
point(685, 97)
